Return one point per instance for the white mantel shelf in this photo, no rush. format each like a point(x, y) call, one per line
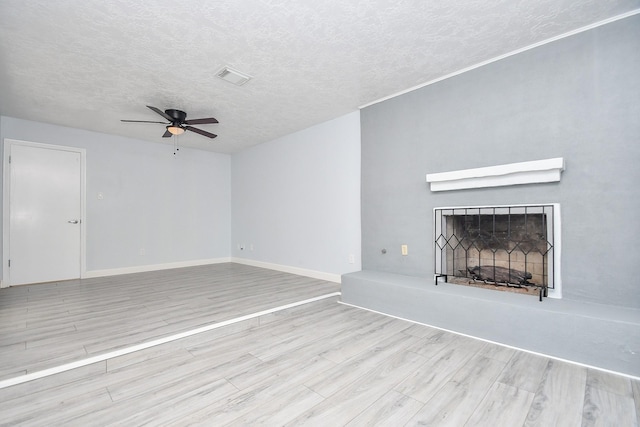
point(537, 171)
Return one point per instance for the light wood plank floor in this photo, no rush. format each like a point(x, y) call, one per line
point(46, 325)
point(321, 363)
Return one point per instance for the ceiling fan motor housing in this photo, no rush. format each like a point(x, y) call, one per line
point(178, 116)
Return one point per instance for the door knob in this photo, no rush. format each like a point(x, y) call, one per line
point(73, 221)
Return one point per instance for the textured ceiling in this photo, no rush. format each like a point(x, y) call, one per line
point(89, 63)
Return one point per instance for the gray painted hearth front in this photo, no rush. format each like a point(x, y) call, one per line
point(576, 98)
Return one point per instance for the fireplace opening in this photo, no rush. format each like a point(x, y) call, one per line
point(509, 248)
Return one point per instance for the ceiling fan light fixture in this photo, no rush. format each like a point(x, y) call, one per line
point(175, 130)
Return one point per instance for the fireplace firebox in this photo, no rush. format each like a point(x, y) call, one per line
point(509, 248)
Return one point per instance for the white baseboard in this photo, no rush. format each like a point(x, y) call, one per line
point(153, 267)
point(321, 275)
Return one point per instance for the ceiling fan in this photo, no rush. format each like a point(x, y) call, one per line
point(178, 122)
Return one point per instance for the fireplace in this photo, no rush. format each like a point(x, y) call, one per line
point(507, 248)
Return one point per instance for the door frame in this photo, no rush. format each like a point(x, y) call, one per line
point(6, 200)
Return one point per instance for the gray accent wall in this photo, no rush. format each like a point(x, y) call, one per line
point(576, 98)
point(176, 208)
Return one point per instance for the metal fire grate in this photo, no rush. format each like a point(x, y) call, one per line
point(497, 246)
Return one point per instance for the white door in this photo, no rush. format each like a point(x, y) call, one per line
point(45, 212)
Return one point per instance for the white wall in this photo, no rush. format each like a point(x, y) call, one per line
point(297, 200)
point(176, 208)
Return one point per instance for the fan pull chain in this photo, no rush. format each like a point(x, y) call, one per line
point(176, 144)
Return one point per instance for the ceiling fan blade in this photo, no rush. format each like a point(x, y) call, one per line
point(162, 113)
point(167, 134)
point(201, 132)
point(206, 121)
point(142, 121)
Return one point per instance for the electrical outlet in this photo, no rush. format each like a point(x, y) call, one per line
point(352, 259)
point(251, 247)
point(405, 250)
point(142, 251)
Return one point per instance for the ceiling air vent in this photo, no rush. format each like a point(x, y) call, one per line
point(233, 76)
